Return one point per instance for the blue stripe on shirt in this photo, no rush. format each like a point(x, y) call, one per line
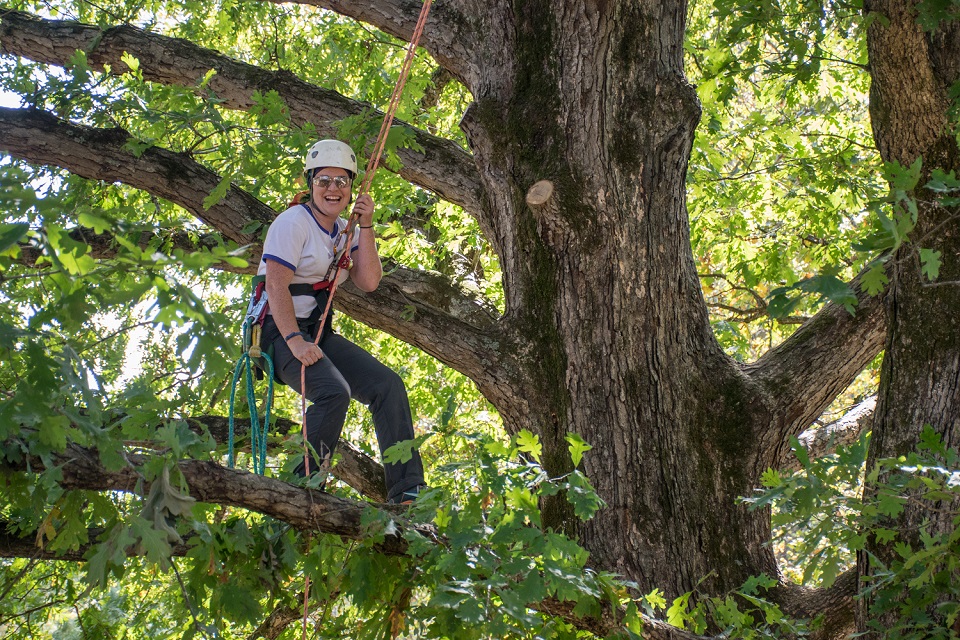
point(270, 256)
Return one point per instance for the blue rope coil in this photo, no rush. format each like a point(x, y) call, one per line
point(258, 435)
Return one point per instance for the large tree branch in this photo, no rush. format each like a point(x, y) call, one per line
point(13, 546)
point(445, 35)
point(429, 311)
point(99, 154)
point(442, 167)
point(824, 440)
point(803, 375)
point(303, 509)
point(25, 546)
point(353, 467)
point(277, 622)
point(834, 604)
point(424, 309)
point(313, 511)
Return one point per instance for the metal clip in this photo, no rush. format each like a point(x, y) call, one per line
point(255, 308)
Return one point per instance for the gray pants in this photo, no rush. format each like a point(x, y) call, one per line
point(347, 371)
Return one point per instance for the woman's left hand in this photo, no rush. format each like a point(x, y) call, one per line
point(364, 209)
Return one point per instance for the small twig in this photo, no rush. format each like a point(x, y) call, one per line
point(339, 579)
point(114, 334)
point(842, 61)
point(38, 274)
point(845, 138)
point(190, 605)
point(76, 609)
point(31, 611)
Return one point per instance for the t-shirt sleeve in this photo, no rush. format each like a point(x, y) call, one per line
point(285, 240)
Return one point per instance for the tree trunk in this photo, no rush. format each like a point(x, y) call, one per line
point(920, 380)
point(602, 288)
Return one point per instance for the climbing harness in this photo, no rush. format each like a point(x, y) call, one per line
point(252, 325)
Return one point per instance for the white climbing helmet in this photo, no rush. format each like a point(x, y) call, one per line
point(331, 153)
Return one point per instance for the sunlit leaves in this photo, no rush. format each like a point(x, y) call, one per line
point(835, 516)
point(151, 332)
point(783, 173)
point(577, 448)
point(816, 511)
point(529, 443)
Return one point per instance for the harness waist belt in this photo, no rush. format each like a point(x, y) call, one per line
point(307, 289)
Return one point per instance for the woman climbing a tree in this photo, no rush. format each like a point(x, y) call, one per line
point(298, 255)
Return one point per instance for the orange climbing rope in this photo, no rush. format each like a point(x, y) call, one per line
point(342, 258)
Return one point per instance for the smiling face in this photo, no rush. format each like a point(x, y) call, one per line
point(332, 199)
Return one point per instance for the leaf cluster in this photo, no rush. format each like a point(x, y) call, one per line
point(834, 511)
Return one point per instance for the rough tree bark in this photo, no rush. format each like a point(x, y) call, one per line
point(913, 73)
point(606, 332)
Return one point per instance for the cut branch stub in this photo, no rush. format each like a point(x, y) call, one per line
point(541, 198)
point(540, 194)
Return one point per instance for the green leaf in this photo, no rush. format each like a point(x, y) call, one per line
point(11, 234)
point(578, 446)
point(53, 432)
point(771, 478)
point(531, 588)
point(831, 288)
point(930, 263)
point(941, 182)
point(218, 193)
point(132, 63)
point(757, 584)
point(780, 305)
point(653, 602)
point(801, 452)
point(152, 542)
point(875, 279)
point(403, 451)
point(448, 411)
point(529, 443)
point(94, 222)
point(903, 178)
point(251, 227)
point(884, 535)
point(237, 602)
point(109, 557)
point(582, 496)
point(677, 615)
point(890, 504)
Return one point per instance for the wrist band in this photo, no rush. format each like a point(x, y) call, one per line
point(363, 227)
point(295, 333)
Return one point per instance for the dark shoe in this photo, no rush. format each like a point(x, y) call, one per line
point(408, 496)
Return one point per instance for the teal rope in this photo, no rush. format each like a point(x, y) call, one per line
point(258, 436)
point(261, 437)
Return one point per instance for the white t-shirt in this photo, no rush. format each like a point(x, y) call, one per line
point(297, 241)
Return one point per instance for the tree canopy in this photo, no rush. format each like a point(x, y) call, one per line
point(643, 261)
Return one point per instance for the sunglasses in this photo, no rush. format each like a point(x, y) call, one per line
point(324, 182)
